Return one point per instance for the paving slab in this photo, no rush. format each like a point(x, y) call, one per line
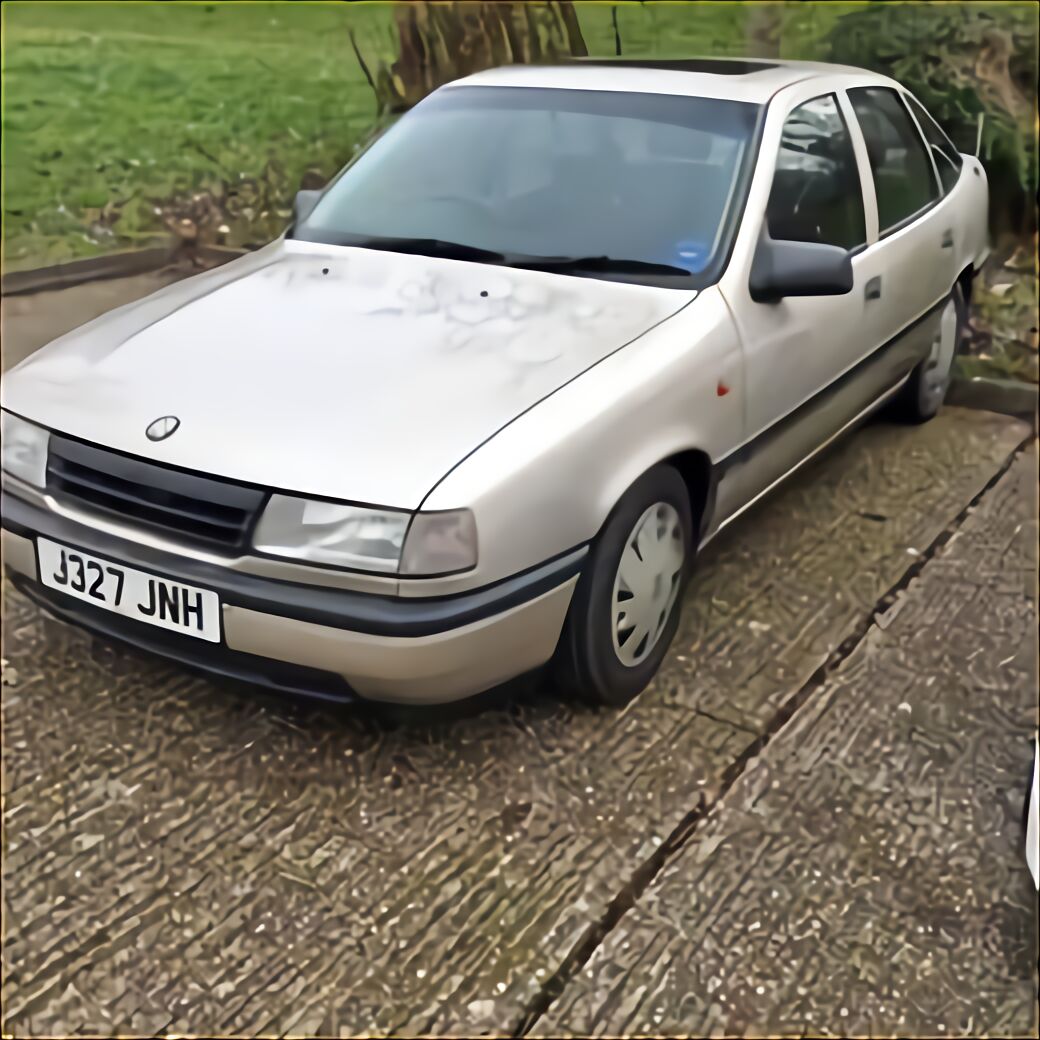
point(182, 857)
point(31, 321)
point(866, 873)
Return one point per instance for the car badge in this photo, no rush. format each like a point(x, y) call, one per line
point(162, 428)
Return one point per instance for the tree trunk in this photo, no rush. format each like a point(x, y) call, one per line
point(572, 30)
point(762, 29)
point(442, 41)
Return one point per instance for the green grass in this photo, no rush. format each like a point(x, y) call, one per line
point(111, 109)
point(129, 103)
point(679, 29)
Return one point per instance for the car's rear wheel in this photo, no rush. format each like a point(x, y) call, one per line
point(923, 394)
point(625, 609)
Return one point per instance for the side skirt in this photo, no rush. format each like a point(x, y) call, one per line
point(847, 428)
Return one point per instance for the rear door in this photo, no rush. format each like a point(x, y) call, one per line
point(964, 189)
point(909, 269)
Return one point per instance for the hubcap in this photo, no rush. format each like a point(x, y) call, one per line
point(940, 360)
point(647, 582)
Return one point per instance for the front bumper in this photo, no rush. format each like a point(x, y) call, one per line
point(317, 640)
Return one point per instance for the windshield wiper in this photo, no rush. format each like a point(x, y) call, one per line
point(595, 265)
point(446, 250)
point(437, 247)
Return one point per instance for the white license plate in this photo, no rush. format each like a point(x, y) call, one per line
point(132, 593)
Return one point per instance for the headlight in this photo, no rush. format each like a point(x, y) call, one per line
point(440, 543)
point(367, 539)
point(327, 532)
point(24, 453)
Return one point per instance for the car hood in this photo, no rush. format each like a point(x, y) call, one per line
point(349, 373)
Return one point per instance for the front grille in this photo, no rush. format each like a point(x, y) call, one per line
point(187, 506)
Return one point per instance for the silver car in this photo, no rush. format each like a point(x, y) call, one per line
point(477, 410)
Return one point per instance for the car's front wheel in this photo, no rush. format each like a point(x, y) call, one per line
point(626, 607)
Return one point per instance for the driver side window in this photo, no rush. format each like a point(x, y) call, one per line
point(816, 194)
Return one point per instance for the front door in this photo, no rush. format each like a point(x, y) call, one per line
point(800, 353)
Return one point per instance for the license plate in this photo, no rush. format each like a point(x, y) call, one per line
point(129, 592)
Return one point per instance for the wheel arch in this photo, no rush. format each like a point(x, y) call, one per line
point(697, 471)
point(965, 280)
point(695, 468)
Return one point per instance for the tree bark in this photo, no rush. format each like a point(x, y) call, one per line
point(762, 29)
point(439, 42)
point(571, 28)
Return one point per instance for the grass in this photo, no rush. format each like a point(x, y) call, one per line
point(112, 110)
point(129, 104)
point(672, 28)
point(118, 114)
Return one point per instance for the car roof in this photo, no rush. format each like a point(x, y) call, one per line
point(739, 79)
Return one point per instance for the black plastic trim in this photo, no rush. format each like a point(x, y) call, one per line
point(150, 474)
point(188, 507)
point(213, 659)
point(366, 612)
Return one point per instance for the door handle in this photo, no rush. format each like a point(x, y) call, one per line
point(947, 239)
point(873, 289)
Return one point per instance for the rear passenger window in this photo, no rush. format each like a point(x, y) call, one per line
point(948, 160)
point(816, 194)
point(903, 176)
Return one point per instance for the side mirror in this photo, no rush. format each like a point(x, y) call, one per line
point(304, 202)
point(781, 268)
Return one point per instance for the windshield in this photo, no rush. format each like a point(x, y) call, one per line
point(641, 187)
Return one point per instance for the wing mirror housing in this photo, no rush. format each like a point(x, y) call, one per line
point(783, 268)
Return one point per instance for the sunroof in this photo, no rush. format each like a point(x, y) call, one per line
point(714, 66)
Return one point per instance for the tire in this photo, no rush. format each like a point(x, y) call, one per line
point(922, 396)
point(593, 661)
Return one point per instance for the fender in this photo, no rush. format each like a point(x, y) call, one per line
point(546, 482)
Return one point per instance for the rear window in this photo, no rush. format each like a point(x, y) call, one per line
point(948, 160)
point(903, 177)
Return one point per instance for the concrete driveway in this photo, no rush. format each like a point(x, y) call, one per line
point(808, 823)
